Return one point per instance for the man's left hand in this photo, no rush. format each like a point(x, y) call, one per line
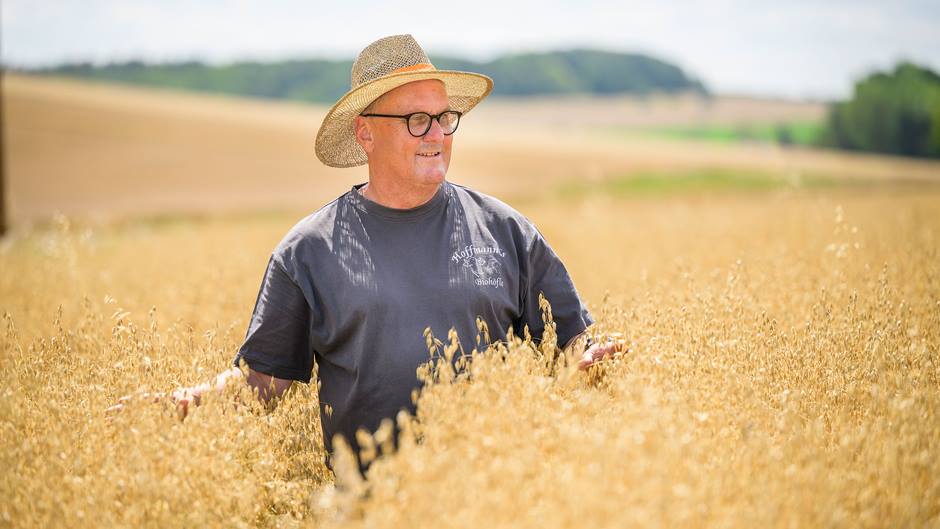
point(599, 351)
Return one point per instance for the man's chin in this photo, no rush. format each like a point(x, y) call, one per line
point(432, 177)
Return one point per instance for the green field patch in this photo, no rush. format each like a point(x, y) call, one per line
point(706, 180)
point(794, 133)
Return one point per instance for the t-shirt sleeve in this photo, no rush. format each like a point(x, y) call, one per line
point(278, 339)
point(546, 274)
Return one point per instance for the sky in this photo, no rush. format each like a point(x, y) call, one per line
point(795, 49)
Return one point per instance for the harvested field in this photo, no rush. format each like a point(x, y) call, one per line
point(103, 151)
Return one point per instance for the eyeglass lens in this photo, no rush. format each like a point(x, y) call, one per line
point(419, 124)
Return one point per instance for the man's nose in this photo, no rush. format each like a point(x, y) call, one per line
point(436, 132)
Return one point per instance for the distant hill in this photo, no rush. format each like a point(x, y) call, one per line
point(323, 81)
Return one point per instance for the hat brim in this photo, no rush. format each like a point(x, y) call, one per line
point(336, 144)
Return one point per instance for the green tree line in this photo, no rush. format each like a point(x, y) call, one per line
point(324, 81)
point(894, 112)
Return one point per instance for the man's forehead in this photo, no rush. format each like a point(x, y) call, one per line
point(423, 92)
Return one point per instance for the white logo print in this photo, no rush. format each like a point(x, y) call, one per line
point(482, 262)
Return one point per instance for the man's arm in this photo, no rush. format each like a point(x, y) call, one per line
point(268, 387)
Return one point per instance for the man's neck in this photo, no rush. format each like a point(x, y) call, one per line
point(398, 198)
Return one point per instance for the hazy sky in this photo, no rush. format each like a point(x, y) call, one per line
point(794, 48)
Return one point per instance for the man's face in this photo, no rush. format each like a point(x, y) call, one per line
point(393, 151)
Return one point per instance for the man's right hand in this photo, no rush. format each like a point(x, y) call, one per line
point(185, 398)
point(269, 387)
point(182, 398)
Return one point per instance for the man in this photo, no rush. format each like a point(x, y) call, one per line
point(353, 286)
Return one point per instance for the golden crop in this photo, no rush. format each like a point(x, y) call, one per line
point(783, 372)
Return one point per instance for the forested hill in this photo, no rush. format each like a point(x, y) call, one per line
point(323, 81)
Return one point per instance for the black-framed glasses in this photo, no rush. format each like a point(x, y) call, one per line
point(419, 123)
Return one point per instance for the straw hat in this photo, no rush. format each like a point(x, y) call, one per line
point(383, 65)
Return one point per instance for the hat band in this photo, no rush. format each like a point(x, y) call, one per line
point(413, 67)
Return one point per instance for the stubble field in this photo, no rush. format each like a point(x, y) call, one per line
point(782, 308)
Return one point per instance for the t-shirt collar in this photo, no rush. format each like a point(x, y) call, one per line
point(374, 208)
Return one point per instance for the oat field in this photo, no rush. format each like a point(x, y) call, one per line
point(783, 367)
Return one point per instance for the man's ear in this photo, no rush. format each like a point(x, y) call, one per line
point(363, 134)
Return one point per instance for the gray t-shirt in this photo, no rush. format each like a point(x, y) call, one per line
point(354, 285)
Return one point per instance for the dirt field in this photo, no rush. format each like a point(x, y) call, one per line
point(784, 337)
point(103, 151)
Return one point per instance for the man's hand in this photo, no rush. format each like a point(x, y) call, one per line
point(599, 351)
point(185, 398)
point(182, 398)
